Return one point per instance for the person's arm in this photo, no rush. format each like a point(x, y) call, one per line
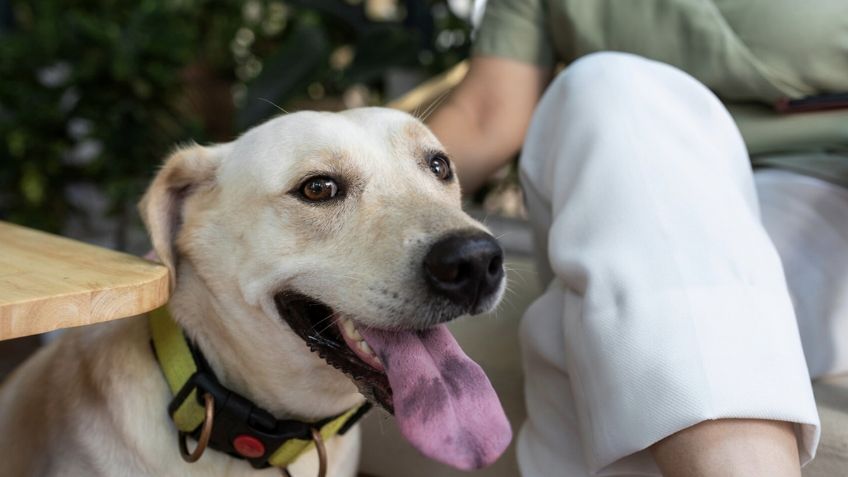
point(483, 122)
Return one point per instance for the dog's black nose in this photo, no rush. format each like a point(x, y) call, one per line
point(465, 267)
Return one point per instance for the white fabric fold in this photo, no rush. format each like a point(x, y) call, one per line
point(668, 300)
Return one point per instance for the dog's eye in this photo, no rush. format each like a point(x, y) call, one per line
point(440, 167)
point(317, 189)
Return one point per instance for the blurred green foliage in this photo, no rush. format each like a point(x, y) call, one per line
point(98, 91)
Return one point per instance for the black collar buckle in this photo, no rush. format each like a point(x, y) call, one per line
point(244, 430)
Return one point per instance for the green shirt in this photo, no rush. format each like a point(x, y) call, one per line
point(750, 52)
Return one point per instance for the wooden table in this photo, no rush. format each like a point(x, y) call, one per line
point(49, 282)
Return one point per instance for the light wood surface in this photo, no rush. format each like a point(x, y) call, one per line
point(49, 282)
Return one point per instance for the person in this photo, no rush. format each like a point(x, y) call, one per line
point(671, 336)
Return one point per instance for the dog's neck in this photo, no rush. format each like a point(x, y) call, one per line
point(257, 355)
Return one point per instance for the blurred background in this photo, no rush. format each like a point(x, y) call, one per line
point(94, 93)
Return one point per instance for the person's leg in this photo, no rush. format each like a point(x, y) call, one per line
point(730, 448)
point(668, 302)
point(807, 219)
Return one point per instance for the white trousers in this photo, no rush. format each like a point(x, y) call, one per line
point(668, 304)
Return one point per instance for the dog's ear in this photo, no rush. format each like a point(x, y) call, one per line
point(184, 171)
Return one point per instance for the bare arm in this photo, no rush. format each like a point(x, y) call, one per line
point(730, 448)
point(483, 122)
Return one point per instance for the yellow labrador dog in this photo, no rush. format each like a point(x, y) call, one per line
point(314, 262)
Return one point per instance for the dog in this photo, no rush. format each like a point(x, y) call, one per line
point(314, 262)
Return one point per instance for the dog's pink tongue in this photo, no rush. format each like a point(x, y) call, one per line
point(444, 403)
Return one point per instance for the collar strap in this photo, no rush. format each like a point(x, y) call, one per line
point(241, 428)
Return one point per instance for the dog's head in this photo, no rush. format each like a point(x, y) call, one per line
point(344, 231)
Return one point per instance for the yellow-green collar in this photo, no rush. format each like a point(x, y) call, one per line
point(189, 377)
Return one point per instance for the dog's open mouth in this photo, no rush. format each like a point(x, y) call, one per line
point(338, 343)
point(442, 400)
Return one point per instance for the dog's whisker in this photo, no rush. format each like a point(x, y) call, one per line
point(426, 113)
point(325, 320)
point(508, 301)
point(512, 267)
point(516, 274)
point(517, 266)
point(499, 313)
point(513, 307)
point(434, 105)
point(332, 322)
point(485, 219)
point(509, 289)
point(521, 280)
point(273, 104)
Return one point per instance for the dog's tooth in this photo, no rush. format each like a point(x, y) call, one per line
point(365, 348)
point(349, 329)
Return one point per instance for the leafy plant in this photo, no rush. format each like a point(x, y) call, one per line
point(96, 92)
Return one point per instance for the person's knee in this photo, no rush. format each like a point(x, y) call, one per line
point(604, 70)
point(623, 103)
point(623, 79)
point(596, 93)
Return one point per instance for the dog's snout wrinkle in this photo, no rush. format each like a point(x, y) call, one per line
point(465, 267)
